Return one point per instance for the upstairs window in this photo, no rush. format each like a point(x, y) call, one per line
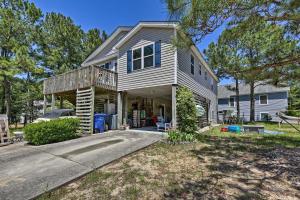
point(231, 101)
point(148, 56)
point(263, 99)
point(212, 83)
point(200, 69)
point(137, 59)
point(192, 65)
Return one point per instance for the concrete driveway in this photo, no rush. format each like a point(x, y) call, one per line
point(27, 171)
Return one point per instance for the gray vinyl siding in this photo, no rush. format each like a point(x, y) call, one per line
point(108, 50)
point(184, 63)
point(184, 79)
point(197, 82)
point(277, 101)
point(149, 77)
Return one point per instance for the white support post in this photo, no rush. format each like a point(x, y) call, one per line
point(120, 116)
point(92, 109)
point(174, 114)
point(52, 101)
point(125, 108)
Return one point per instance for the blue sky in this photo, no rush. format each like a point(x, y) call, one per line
point(107, 15)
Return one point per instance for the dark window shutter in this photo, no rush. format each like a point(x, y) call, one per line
point(158, 53)
point(129, 61)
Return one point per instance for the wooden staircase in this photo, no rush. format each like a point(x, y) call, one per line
point(4, 130)
point(85, 109)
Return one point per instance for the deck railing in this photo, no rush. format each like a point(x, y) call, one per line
point(82, 77)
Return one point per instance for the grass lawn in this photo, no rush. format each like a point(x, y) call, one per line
point(219, 166)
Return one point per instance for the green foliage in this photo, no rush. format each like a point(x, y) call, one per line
point(186, 111)
point(57, 130)
point(294, 99)
point(267, 25)
point(31, 45)
point(175, 137)
point(93, 39)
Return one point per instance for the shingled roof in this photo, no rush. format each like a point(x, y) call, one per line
point(225, 92)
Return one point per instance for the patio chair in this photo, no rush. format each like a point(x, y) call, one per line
point(162, 125)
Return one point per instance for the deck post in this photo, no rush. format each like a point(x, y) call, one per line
point(174, 114)
point(61, 103)
point(52, 101)
point(45, 104)
point(125, 108)
point(120, 108)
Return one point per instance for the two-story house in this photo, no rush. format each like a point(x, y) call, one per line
point(135, 74)
point(269, 100)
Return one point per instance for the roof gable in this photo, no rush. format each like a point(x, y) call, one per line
point(141, 25)
point(97, 56)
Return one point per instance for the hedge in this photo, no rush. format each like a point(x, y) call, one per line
point(47, 132)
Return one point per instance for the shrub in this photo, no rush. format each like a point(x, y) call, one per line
point(57, 130)
point(178, 137)
point(186, 111)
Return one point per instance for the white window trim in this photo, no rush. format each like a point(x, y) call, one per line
point(234, 102)
point(260, 118)
point(142, 56)
point(267, 99)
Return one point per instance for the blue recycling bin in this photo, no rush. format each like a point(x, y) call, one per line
point(99, 123)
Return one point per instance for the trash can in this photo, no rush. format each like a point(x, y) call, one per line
point(99, 123)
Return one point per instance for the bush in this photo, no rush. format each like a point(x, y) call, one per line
point(186, 111)
point(178, 137)
point(57, 130)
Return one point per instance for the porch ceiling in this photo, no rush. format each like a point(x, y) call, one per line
point(152, 92)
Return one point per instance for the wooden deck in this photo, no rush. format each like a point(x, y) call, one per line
point(83, 77)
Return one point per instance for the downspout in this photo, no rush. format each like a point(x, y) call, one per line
point(175, 57)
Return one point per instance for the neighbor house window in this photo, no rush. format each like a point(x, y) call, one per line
point(263, 99)
point(231, 101)
point(264, 116)
point(137, 59)
point(148, 56)
point(192, 64)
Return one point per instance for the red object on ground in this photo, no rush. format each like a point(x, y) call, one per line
point(154, 119)
point(224, 129)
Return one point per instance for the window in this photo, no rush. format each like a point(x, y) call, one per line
point(107, 65)
point(263, 99)
point(200, 69)
point(137, 59)
point(264, 116)
point(148, 56)
point(205, 75)
point(231, 101)
point(212, 83)
point(192, 64)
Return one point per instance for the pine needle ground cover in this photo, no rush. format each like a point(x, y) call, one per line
point(219, 166)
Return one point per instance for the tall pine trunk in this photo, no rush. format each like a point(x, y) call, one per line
point(252, 102)
point(7, 97)
point(237, 94)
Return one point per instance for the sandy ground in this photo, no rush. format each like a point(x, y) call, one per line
point(216, 169)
